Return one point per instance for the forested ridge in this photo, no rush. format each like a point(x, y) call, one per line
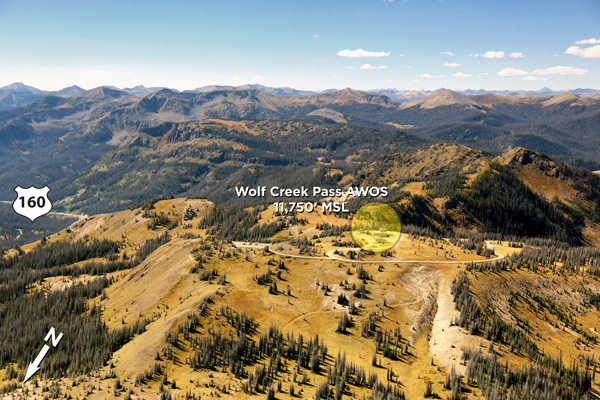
point(462, 188)
point(507, 206)
point(57, 254)
point(28, 312)
point(496, 202)
point(239, 224)
point(212, 157)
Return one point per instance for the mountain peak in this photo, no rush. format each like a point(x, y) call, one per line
point(523, 156)
point(100, 92)
point(348, 95)
point(445, 97)
point(69, 91)
point(20, 87)
point(560, 98)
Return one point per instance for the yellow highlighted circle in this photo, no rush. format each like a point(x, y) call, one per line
point(376, 227)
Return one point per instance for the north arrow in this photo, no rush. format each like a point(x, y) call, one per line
point(35, 365)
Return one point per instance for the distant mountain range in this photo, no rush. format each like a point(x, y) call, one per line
point(19, 94)
point(61, 141)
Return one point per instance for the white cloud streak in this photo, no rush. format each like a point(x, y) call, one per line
point(493, 54)
point(560, 70)
point(460, 75)
point(447, 53)
point(361, 53)
point(517, 55)
point(588, 41)
point(512, 72)
point(588, 52)
point(429, 76)
point(451, 65)
point(369, 66)
point(534, 76)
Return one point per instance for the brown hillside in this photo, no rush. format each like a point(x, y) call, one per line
point(443, 98)
point(424, 163)
point(541, 173)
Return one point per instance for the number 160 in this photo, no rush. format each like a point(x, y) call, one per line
point(32, 202)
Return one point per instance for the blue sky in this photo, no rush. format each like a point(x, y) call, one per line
point(311, 45)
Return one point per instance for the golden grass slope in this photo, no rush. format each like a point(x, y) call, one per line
point(414, 297)
point(542, 174)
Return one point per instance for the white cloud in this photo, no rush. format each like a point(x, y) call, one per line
point(314, 36)
point(493, 54)
point(460, 75)
point(482, 74)
point(517, 55)
point(588, 52)
point(409, 66)
point(361, 53)
point(474, 55)
point(415, 80)
point(512, 72)
point(447, 53)
point(560, 70)
point(588, 41)
point(257, 78)
point(534, 78)
point(350, 68)
point(429, 76)
point(235, 78)
point(369, 66)
point(451, 65)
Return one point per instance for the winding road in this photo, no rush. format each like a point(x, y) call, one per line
point(332, 257)
point(78, 216)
